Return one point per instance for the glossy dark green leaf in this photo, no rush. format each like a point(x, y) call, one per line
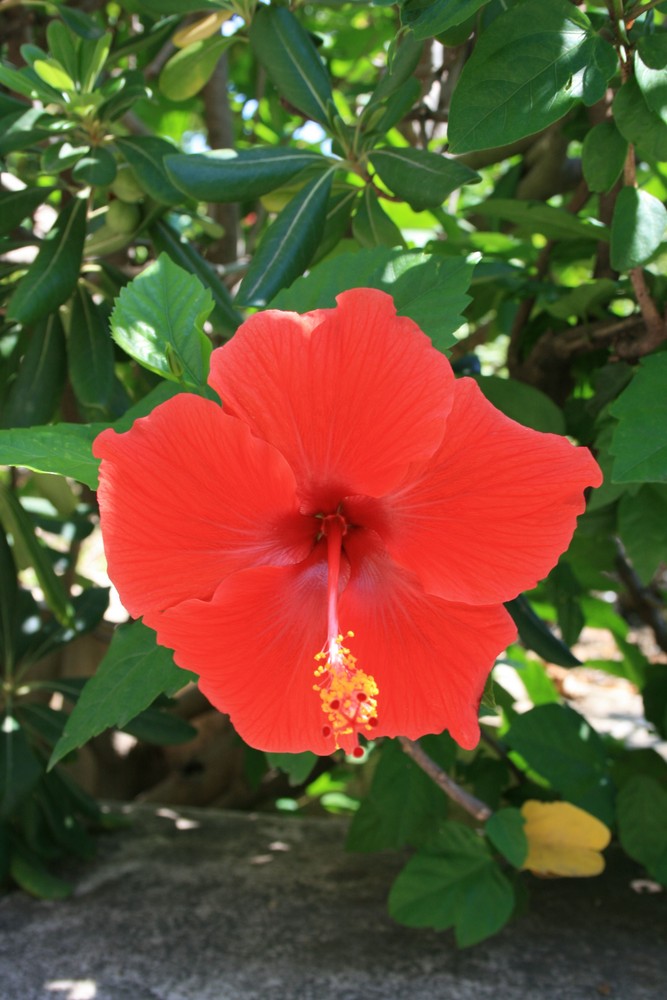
point(523, 403)
point(25, 82)
point(642, 821)
point(133, 673)
point(53, 276)
point(90, 355)
point(20, 769)
point(639, 442)
point(23, 129)
point(159, 727)
point(638, 123)
point(560, 745)
point(402, 60)
point(167, 240)
point(190, 69)
point(158, 8)
point(79, 22)
point(536, 217)
point(421, 178)
point(35, 392)
point(505, 831)
point(337, 222)
point(158, 320)
point(651, 72)
point(146, 155)
point(456, 884)
point(92, 59)
point(637, 228)
point(565, 593)
point(98, 167)
point(15, 520)
point(288, 245)
point(529, 67)
point(429, 289)
point(603, 156)
point(15, 206)
point(372, 227)
point(536, 634)
point(430, 17)
point(285, 50)
point(238, 175)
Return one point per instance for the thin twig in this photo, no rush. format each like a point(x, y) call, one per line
point(646, 603)
point(472, 805)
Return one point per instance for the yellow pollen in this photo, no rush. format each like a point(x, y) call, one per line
point(349, 696)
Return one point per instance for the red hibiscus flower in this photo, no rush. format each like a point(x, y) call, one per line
point(330, 549)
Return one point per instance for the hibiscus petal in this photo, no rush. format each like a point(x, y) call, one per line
point(430, 658)
point(253, 646)
point(350, 396)
point(491, 512)
point(187, 496)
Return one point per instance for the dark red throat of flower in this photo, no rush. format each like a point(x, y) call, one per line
point(349, 696)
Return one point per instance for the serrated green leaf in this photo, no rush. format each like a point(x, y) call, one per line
point(505, 831)
point(638, 123)
point(458, 885)
point(430, 17)
point(603, 156)
point(371, 226)
point(133, 673)
point(226, 175)
point(146, 155)
point(191, 68)
point(423, 179)
point(285, 50)
point(158, 320)
point(288, 245)
point(639, 441)
point(53, 276)
point(642, 525)
point(637, 228)
point(560, 745)
point(642, 821)
point(529, 67)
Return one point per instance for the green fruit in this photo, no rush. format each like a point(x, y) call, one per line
point(122, 218)
point(126, 186)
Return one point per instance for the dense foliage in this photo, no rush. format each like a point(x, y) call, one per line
point(498, 166)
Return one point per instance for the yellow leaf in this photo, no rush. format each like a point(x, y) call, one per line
point(201, 29)
point(563, 840)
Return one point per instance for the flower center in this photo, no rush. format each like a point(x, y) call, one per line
point(348, 695)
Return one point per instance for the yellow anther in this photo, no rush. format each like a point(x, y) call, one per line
point(349, 696)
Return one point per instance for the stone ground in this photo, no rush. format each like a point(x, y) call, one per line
point(206, 905)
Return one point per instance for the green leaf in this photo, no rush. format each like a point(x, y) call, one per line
point(52, 277)
point(297, 766)
point(505, 830)
point(430, 17)
point(133, 673)
point(460, 886)
point(288, 245)
point(402, 61)
point(15, 206)
point(51, 72)
point(191, 68)
point(371, 226)
point(90, 354)
point(560, 745)
point(536, 217)
point(20, 769)
point(403, 805)
point(37, 389)
point(167, 240)
point(158, 320)
point(642, 821)
point(637, 228)
point(285, 50)
point(422, 179)
point(603, 156)
point(63, 47)
point(92, 59)
point(651, 72)
point(79, 22)
point(565, 594)
point(9, 592)
point(25, 81)
point(159, 727)
point(654, 695)
point(238, 175)
point(65, 449)
point(642, 525)
point(638, 123)
point(529, 67)
point(536, 634)
point(97, 167)
point(523, 403)
point(19, 131)
point(639, 442)
point(146, 155)
point(429, 289)
point(30, 874)
point(16, 521)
